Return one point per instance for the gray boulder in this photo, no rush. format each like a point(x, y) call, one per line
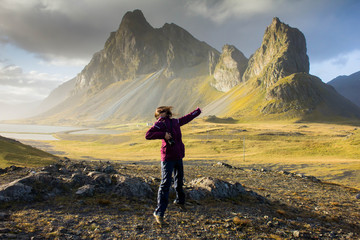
point(78, 179)
point(131, 187)
point(39, 185)
point(15, 191)
point(207, 186)
point(100, 178)
point(109, 169)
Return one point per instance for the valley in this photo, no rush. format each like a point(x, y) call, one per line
point(280, 162)
point(279, 138)
point(329, 152)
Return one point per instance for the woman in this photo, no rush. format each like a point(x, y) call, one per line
point(172, 154)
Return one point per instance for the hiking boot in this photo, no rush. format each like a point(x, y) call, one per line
point(159, 219)
point(181, 206)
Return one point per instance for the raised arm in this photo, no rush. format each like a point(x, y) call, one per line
point(187, 118)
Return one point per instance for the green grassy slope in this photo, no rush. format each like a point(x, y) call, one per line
point(15, 153)
point(298, 97)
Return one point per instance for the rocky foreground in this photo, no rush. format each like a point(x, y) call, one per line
point(96, 200)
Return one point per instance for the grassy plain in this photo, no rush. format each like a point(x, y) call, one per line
point(15, 153)
point(330, 152)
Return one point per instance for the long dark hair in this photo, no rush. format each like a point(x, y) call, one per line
point(162, 109)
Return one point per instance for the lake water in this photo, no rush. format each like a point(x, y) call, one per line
point(43, 132)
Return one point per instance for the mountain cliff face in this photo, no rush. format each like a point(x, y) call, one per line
point(348, 86)
point(278, 84)
point(230, 68)
point(137, 48)
point(282, 53)
point(141, 68)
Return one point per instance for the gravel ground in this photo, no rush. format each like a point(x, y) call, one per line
point(296, 207)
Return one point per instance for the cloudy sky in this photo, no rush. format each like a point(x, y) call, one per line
point(46, 42)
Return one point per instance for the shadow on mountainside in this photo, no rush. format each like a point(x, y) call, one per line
point(269, 204)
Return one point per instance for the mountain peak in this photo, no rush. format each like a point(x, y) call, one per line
point(282, 53)
point(135, 20)
point(134, 16)
point(137, 48)
point(276, 21)
point(230, 68)
point(142, 67)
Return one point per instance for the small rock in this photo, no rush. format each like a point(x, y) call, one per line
point(300, 175)
point(87, 190)
point(50, 169)
point(350, 235)
point(12, 168)
point(63, 170)
point(358, 196)
point(236, 220)
point(270, 224)
point(284, 172)
point(220, 164)
point(4, 216)
point(312, 178)
point(8, 236)
point(296, 234)
point(241, 222)
point(5, 230)
point(109, 169)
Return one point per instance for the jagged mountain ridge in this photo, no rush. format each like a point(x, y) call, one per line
point(137, 48)
point(142, 67)
point(277, 84)
point(139, 69)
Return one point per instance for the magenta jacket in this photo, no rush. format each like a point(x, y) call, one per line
point(158, 130)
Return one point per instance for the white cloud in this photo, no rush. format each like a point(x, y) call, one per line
point(342, 64)
point(19, 86)
point(66, 33)
point(221, 10)
point(48, 28)
point(59, 61)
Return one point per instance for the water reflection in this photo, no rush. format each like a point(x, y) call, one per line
point(44, 132)
point(29, 136)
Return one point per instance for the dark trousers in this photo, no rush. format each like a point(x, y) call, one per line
point(167, 168)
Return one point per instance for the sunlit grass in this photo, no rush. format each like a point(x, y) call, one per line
point(15, 153)
point(328, 151)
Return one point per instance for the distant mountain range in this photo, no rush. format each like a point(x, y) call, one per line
point(141, 68)
point(348, 86)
